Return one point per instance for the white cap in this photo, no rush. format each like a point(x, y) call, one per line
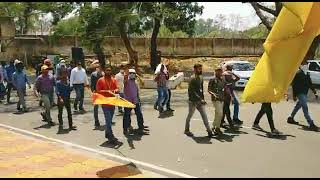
point(63, 62)
point(132, 71)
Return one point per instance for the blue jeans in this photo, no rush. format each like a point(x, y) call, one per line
point(108, 115)
point(79, 89)
point(302, 102)
point(95, 114)
point(127, 117)
point(162, 96)
point(235, 106)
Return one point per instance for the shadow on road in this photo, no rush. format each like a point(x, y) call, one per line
point(225, 137)
point(112, 145)
point(202, 139)
point(44, 126)
point(119, 171)
point(235, 130)
point(269, 135)
point(279, 137)
point(135, 137)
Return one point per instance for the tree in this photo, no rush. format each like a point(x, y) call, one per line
point(109, 17)
point(27, 13)
point(259, 8)
point(174, 15)
point(67, 27)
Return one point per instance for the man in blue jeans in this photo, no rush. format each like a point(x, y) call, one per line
point(162, 79)
point(107, 86)
point(78, 80)
point(300, 86)
point(131, 93)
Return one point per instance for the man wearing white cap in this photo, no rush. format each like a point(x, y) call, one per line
point(131, 93)
point(61, 68)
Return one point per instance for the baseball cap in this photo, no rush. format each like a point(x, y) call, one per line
point(47, 62)
point(44, 67)
point(63, 62)
point(132, 71)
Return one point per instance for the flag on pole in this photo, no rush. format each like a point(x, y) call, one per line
point(285, 47)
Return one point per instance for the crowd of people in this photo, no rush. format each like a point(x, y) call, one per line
point(58, 82)
point(221, 89)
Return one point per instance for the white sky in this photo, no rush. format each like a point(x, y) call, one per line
point(244, 10)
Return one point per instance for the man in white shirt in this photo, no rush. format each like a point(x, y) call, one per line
point(78, 80)
point(120, 80)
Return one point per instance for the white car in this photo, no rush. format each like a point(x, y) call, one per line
point(314, 70)
point(243, 69)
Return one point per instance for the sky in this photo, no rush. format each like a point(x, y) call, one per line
point(244, 10)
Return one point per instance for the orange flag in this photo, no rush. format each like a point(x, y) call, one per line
point(114, 101)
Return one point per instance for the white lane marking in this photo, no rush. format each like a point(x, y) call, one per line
point(127, 160)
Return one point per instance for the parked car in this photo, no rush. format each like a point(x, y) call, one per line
point(243, 69)
point(314, 71)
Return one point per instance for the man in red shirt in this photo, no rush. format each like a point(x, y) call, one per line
point(105, 84)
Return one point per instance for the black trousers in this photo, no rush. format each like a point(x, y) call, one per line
point(9, 89)
point(66, 104)
point(226, 111)
point(265, 109)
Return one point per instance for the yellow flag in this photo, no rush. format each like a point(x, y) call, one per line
point(285, 47)
point(115, 101)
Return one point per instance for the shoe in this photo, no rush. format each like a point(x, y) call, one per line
point(43, 117)
point(237, 121)
point(291, 121)
point(210, 134)
point(224, 125)
point(160, 109)
point(275, 132)
point(155, 107)
point(51, 123)
point(130, 130)
point(217, 131)
point(113, 123)
point(169, 109)
point(113, 140)
point(188, 133)
point(125, 132)
point(73, 128)
point(140, 131)
point(313, 127)
point(256, 126)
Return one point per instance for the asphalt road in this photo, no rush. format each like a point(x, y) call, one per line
point(242, 153)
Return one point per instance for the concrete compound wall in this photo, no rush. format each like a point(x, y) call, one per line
point(21, 48)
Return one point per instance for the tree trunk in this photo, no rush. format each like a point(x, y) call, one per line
point(312, 50)
point(154, 60)
point(100, 55)
point(133, 55)
point(26, 16)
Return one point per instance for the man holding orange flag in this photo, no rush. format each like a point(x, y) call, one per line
point(107, 86)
